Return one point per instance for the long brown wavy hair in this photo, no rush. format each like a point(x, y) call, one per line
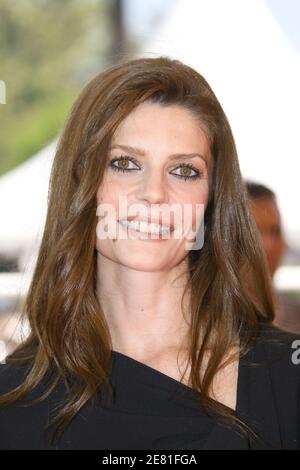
point(231, 292)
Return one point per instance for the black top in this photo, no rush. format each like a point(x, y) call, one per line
point(154, 411)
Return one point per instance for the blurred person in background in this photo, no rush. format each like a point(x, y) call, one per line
point(267, 217)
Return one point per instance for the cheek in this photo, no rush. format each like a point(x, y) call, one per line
point(106, 205)
point(192, 210)
point(109, 196)
point(193, 193)
point(199, 200)
point(108, 193)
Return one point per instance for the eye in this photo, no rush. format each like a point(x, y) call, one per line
point(124, 162)
point(186, 169)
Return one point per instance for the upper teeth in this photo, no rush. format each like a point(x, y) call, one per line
point(145, 227)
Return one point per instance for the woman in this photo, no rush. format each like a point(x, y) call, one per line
point(149, 343)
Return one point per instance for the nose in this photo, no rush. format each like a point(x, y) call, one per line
point(152, 188)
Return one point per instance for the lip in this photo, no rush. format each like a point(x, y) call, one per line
point(149, 221)
point(154, 238)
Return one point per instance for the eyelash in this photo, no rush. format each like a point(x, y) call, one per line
point(182, 165)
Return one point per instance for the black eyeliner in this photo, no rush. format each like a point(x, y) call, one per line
point(181, 165)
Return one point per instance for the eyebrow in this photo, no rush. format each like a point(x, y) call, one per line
point(142, 153)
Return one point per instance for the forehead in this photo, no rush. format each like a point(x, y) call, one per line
point(172, 127)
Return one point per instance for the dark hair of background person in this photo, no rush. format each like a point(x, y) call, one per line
point(231, 293)
point(259, 191)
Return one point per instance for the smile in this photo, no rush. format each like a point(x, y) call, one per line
point(145, 227)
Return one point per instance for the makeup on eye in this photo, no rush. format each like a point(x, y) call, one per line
point(140, 152)
point(125, 159)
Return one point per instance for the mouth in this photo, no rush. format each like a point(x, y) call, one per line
point(147, 227)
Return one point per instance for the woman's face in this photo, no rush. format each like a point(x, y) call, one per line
point(159, 158)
